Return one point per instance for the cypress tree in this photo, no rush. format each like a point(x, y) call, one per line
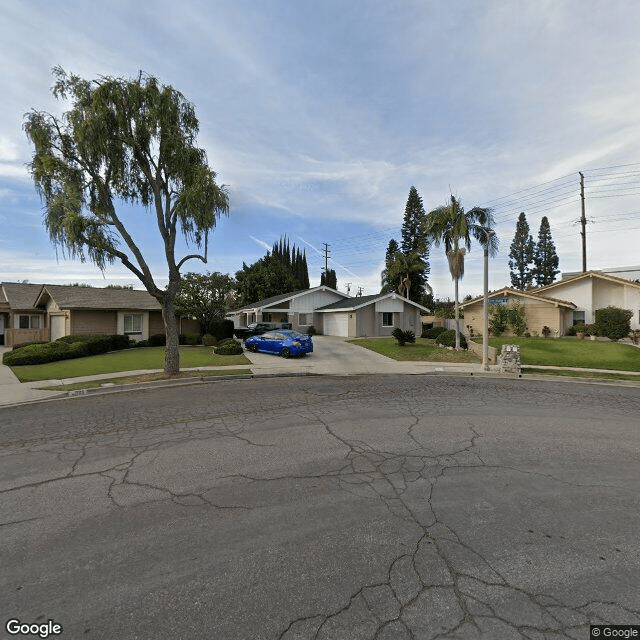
point(545, 258)
point(415, 240)
point(521, 255)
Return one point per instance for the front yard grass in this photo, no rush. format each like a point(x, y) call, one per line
point(126, 360)
point(569, 352)
point(422, 350)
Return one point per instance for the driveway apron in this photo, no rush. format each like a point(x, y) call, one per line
point(12, 391)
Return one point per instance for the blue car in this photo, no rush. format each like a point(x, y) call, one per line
point(283, 342)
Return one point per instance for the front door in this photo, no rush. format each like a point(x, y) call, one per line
point(1, 328)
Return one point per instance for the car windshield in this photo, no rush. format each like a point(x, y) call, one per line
point(297, 336)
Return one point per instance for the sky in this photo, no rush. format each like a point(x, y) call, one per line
point(319, 116)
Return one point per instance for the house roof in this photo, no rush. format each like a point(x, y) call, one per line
point(267, 302)
point(532, 294)
point(21, 295)
point(70, 297)
point(351, 304)
point(588, 275)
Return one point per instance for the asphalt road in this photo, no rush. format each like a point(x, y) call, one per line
point(363, 507)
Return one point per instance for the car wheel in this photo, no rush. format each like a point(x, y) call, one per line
point(252, 348)
point(285, 353)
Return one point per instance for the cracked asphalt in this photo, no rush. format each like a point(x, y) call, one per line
point(363, 507)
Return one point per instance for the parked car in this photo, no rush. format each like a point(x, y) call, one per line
point(254, 329)
point(283, 342)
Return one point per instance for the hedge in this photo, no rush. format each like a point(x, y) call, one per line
point(433, 333)
point(229, 348)
point(64, 348)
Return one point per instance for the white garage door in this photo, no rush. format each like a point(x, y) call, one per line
point(57, 327)
point(336, 324)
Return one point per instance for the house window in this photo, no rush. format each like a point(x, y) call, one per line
point(578, 317)
point(29, 322)
point(304, 319)
point(266, 317)
point(132, 323)
point(387, 319)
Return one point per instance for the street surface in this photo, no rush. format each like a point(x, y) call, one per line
point(363, 507)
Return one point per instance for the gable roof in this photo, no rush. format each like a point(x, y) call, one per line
point(352, 304)
point(267, 302)
point(531, 294)
point(70, 297)
point(21, 295)
point(588, 275)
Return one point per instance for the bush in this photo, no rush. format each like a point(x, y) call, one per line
point(311, 331)
point(225, 341)
point(571, 331)
point(157, 340)
point(498, 319)
point(209, 341)
point(433, 333)
point(403, 336)
point(19, 345)
point(229, 348)
point(221, 329)
point(190, 339)
point(517, 319)
point(613, 323)
point(448, 339)
point(591, 329)
point(119, 342)
point(546, 332)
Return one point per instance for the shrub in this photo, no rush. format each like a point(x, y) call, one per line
point(433, 333)
point(498, 319)
point(527, 334)
point(28, 344)
point(157, 340)
point(81, 337)
point(209, 341)
point(229, 348)
point(571, 331)
point(517, 319)
point(403, 336)
point(221, 329)
point(613, 323)
point(37, 354)
point(546, 331)
point(225, 341)
point(119, 342)
point(448, 339)
point(189, 338)
point(591, 329)
point(311, 331)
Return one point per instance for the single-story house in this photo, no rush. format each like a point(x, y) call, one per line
point(593, 290)
point(36, 312)
point(296, 308)
point(376, 315)
point(334, 313)
point(540, 311)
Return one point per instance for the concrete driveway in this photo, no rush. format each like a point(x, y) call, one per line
point(333, 355)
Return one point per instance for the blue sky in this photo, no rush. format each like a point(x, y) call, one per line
point(319, 116)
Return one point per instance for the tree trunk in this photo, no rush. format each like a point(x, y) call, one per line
point(457, 314)
point(171, 352)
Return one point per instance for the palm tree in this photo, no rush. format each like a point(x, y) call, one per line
point(451, 225)
point(401, 267)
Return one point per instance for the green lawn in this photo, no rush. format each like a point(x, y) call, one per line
point(126, 360)
point(568, 352)
point(423, 349)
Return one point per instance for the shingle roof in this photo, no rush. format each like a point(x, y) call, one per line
point(70, 297)
point(361, 301)
point(21, 296)
point(267, 302)
point(532, 293)
point(589, 274)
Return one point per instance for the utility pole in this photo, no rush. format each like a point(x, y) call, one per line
point(348, 288)
point(583, 221)
point(360, 291)
point(326, 257)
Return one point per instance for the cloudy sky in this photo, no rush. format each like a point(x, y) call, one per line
point(320, 115)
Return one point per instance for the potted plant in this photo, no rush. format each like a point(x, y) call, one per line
point(591, 331)
point(580, 331)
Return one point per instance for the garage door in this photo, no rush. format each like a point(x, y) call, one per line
point(336, 324)
point(57, 327)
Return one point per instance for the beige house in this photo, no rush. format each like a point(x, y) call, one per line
point(540, 311)
point(35, 312)
point(593, 290)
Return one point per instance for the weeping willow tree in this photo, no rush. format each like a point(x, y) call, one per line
point(453, 227)
point(125, 142)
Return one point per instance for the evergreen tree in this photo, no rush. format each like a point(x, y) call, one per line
point(390, 281)
point(415, 241)
point(545, 258)
point(329, 278)
point(521, 255)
